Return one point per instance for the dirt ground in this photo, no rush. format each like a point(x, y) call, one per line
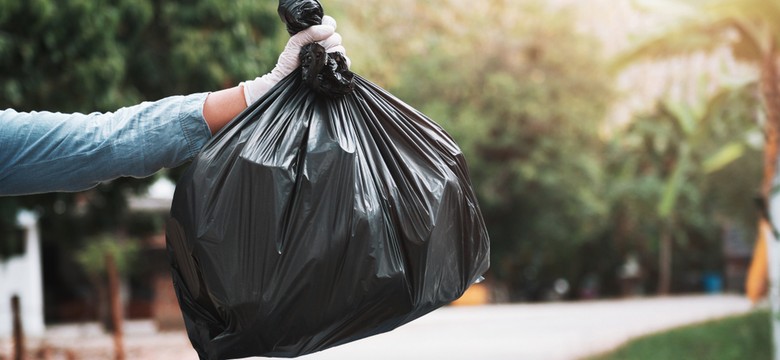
point(88, 342)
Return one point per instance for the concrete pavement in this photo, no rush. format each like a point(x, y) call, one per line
point(535, 331)
point(496, 332)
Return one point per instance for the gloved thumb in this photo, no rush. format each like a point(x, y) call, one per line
point(329, 21)
point(310, 35)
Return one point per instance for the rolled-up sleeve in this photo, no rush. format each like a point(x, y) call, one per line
point(46, 152)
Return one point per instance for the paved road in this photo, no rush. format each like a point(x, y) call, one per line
point(543, 331)
point(497, 332)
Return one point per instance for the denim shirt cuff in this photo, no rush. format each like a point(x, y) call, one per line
point(194, 127)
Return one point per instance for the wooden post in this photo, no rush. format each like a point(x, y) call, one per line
point(665, 261)
point(18, 331)
point(115, 306)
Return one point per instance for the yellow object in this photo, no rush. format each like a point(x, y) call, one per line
point(477, 294)
point(758, 274)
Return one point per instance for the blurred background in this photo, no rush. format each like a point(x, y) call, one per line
point(617, 147)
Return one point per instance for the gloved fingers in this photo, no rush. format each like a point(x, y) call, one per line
point(288, 61)
point(329, 21)
point(332, 41)
point(312, 34)
point(337, 48)
point(333, 44)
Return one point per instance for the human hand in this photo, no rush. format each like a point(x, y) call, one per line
point(288, 61)
point(333, 43)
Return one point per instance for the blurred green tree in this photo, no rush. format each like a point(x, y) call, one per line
point(99, 55)
point(667, 191)
point(93, 260)
point(92, 257)
point(525, 99)
point(751, 30)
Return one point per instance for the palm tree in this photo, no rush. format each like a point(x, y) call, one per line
point(751, 30)
point(694, 148)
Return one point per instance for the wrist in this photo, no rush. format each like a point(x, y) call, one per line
point(222, 106)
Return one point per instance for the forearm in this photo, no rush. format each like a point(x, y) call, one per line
point(222, 106)
point(45, 152)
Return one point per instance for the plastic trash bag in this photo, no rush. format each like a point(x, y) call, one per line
point(317, 218)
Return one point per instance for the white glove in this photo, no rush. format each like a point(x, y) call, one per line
point(324, 34)
point(333, 43)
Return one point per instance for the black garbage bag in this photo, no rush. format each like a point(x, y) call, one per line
point(320, 217)
point(300, 14)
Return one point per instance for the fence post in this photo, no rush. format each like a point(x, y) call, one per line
point(18, 331)
point(115, 306)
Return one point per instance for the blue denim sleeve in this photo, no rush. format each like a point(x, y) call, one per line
point(46, 152)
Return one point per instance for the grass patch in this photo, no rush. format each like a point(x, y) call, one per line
point(739, 337)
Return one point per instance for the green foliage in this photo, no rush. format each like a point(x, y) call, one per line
point(92, 257)
point(88, 55)
point(56, 55)
point(749, 29)
point(739, 337)
point(664, 179)
point(203, 46)
point(527, 114)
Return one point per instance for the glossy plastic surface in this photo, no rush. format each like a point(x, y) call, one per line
point(300, 14)
point(311, 221)
point(326, 212)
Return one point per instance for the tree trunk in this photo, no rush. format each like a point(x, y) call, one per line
point(16, 310)
point(116, 307)
point(665, 262)
point(770, 91)
point(771, 96)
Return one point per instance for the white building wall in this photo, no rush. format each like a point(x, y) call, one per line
point(773, 252)
point(21, 276)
